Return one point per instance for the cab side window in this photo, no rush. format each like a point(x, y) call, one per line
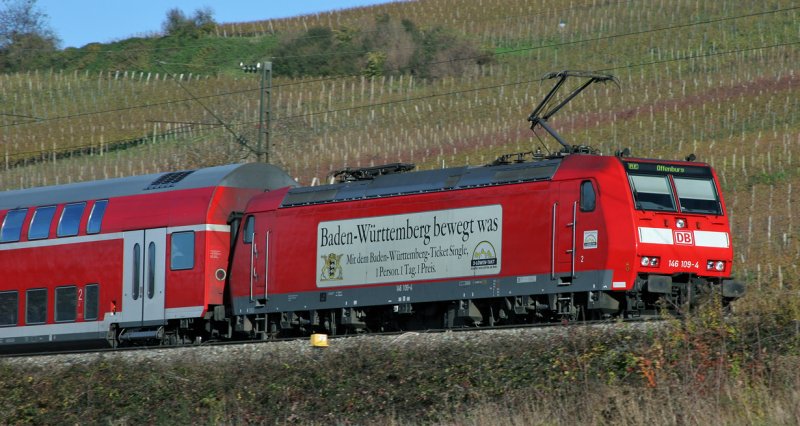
point(249, 229)
point(588, 197)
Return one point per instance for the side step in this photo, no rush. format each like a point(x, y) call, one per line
point(138, 336)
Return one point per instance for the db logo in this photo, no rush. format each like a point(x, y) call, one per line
point(685, 238)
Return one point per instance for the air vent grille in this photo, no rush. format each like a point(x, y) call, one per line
point(168, 180)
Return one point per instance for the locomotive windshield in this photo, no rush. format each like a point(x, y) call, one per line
point(685, 189)
point(697, 195)
point(652, 192)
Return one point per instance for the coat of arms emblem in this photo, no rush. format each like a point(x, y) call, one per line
point(331, 267)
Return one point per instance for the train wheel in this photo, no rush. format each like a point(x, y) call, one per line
point(332, 323)
point(112, 336)
point(170, 339)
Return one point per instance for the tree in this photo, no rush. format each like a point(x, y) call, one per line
point(178, 24)
point(390, 46)
point(26, 39)
point(319, 51)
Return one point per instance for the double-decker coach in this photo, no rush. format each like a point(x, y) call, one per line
point(135, 258)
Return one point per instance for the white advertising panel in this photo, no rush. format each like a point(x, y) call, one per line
point(410, 247)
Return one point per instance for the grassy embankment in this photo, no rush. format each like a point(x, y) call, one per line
point(702, 370)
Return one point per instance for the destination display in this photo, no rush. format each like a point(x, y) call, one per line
point(663, 169)
point(410, 247)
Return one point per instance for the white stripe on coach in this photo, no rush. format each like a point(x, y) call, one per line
point(61, 241)
point(199, 228)
point(207, 227)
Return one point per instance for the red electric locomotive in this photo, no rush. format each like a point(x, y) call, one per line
point(574, 235)
point(581, 236)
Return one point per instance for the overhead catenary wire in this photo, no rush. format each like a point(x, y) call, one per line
point(474, 89)
point(520, 82)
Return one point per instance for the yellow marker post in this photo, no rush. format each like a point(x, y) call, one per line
point(319, 340)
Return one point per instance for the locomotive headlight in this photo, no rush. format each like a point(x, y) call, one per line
point(680, 223)
point(715, 265)
point(650, 261)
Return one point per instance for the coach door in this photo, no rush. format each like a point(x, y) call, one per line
point(565, 215)
point(259, 264)
point(576, 230)
point(143, 281)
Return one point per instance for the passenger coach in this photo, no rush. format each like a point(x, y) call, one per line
point(121, 259)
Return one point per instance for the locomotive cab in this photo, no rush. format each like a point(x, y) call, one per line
point(683, 244)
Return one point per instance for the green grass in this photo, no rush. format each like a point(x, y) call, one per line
point(700, 370)
point(205, 55)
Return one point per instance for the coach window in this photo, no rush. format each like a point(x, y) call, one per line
point(588, 198)
point(182, 251)
point(136, 268)
point(12, 225)
point(96, 217)
point(40, 224)
point(249, 229)
point(8, 308)
point(90, 302)
point(151, 270)
point(70, 220)
point(66, 304)
point(36, 306)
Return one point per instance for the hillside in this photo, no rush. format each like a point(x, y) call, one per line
point(719, 79)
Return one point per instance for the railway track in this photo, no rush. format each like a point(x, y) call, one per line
point(301, 340)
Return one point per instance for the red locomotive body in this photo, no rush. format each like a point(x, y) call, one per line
point(581, 236)
point(122, 259)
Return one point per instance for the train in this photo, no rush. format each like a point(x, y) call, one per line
point(241, 251)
